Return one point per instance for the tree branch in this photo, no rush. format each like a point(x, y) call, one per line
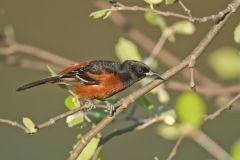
point(14, 124)
point(12, 47)
point(175, 148)
point(185, 8)
point(221, 109)
point(215, 17)
point(168, 74)
point(210, 146)
point(119, 132)
point(53, 120)
point(48, 123)
point(205, 90)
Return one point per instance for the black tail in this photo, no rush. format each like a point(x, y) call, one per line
point(40, 82)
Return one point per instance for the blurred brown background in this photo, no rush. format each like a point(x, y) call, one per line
point(64, 27)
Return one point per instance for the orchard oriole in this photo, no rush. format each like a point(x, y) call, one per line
point(98, 79)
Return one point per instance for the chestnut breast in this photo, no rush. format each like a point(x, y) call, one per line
point(109, 85)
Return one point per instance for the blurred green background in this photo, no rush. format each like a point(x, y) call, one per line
point(64, 27)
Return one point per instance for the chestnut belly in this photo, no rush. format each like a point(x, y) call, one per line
point(97, 91)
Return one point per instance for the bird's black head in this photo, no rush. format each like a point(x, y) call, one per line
point(132, 71)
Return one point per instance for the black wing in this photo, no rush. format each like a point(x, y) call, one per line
point(79, 75)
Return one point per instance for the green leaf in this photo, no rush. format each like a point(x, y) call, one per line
point(29, 124)
point(169, 2)
point(79, 138)
point(162, 95)
point(154, 65)
point(151, 2)
point(170, 132)
point(172, 38)
point(71, 102)
point(144, 101)
point(236, 150)
point(237, 34)
point(75, 119)
point(89, 150)
point(147, 102)
point(184, 27)
point(225, 62)
point(53, 73)
point(155, 20)
point(101, 14)
point(100, 156)
point(169, 116)
point(96, 115)
point(126, 50)
point(190, 109)
point(113, 99)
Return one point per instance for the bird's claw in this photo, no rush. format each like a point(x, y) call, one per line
point(110, 108)
point(90, 104)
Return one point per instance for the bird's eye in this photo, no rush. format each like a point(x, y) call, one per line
point(140, 70)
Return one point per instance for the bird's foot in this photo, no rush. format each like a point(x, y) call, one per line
point(90, 104)
point(110, 108)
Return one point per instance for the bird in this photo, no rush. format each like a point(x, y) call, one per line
point(98, 79)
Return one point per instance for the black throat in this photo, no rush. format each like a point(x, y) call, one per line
point(127, 79)
point(128, 76)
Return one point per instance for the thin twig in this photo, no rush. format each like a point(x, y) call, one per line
point(133, 96)
point(175, 148)
point(14, 124)
point(26, 63)
point(223, 108)
point(158, 47)
point(191, 70)
point(214, 17)
point(43, 54)
point(185, 8)
point(149, 122)
point(210, 146)
point(119, 132)
point(96, 153)
point(53, 120)
point(12, 47)
point(48, 123)
point(207, 91)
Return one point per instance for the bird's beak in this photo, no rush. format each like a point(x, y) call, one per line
point(151, 73)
